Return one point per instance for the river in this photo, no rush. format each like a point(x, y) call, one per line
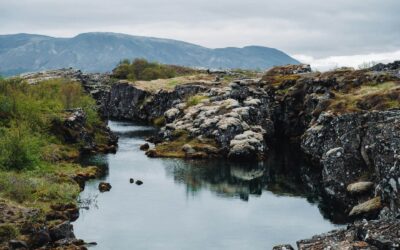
point(185, 204)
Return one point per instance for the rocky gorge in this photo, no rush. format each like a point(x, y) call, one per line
point(346, 121)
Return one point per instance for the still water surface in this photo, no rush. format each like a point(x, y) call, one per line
point(194, 204)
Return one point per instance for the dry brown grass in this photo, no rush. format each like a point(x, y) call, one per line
point(367, 97)
point(171, 83)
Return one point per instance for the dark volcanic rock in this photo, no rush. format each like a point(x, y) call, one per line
point(283, 247)
point(18, 244)
point(382, 234)
point(73, 129)
point(144, 147)
point(385, 67)
point(64, 230)
point(129, 102)
point(104, 187)
point(357, 146)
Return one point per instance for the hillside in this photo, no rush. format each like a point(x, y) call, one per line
point(100, 52)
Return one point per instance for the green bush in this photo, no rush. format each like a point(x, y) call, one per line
point(27, 113)
point(19, 148)
point(141, 69)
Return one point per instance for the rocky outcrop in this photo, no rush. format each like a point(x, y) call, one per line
point(127, 101)
point(356, 147)
point(371, 235)
point(73, 129)
point(237, 117)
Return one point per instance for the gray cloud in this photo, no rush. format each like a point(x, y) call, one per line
point(309, 27)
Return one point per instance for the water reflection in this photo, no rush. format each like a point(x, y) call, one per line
point(211, 204)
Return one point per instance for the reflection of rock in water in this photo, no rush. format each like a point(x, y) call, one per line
point(231, 179)
point(99, 160)
point(247, 174)
point(282, 174)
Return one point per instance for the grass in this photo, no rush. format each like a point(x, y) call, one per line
point(171, 83)
point(278, 80)
point(367, 97)
point(159, 121)
point(51, 184)
point(194, 100)
point(34, 168)
point(8, 232)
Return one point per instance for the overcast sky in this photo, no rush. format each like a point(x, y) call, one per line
point(321, 32)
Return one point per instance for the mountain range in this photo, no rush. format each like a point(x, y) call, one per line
point(100, 52)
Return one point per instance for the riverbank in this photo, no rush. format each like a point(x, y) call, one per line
point(45, 127)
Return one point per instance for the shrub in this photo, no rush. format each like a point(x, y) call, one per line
point(8, 232)
point(19, 148)
point(141, 69)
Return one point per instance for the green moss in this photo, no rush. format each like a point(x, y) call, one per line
point(159, 121)
point(8, 232)
point(173, 148)
point(196, 99)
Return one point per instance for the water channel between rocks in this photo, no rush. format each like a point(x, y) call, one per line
point(184, 204)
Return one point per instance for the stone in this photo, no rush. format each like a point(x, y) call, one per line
point(39, 238)
point(144, 147)
point(139, 182)
point(62, 231)
point(371, 235)
point(368, 207)
point(131, 180)
point(360, 187)
point(283, 247)
point(18, 244)
point(188, 149)
point(104, 187)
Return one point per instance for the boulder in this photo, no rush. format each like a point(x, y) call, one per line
point(144, 147)
point(64, 230)
point(104, 187)
point(18, 244)
point(360, 187)
point(368, 207)
point(283, 247)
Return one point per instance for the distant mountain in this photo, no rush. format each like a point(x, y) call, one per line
point(100, 52)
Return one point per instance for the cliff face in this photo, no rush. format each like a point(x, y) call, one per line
point(125, 101)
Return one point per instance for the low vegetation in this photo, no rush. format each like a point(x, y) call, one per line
point(34, 162)
point(367, 97)
point(173, 148)
point(196, 99)
point(141, 69)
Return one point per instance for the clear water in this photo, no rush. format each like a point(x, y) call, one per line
point(195, 204)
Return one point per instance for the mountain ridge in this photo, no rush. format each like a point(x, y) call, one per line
point(101, 51)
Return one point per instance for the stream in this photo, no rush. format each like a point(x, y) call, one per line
point(202, 204)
